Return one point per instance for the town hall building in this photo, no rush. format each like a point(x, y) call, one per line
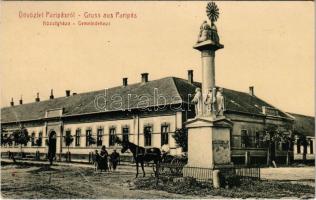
point(146, 113)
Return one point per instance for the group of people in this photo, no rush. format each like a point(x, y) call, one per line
point(105, 161)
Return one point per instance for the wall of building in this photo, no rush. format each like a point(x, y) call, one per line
point(253, 125)
point(310, 154)
point(135, 123)
point(35, 128)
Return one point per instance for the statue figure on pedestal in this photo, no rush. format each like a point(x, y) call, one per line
point(213, 35)
point(204, 32)
point(208, 32)
point(214, 103)
point(220, 102)
point(197, 100)
point(208, 103)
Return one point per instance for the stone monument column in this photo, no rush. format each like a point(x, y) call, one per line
point(208, 70)
point(209, 131)
point(208, 43)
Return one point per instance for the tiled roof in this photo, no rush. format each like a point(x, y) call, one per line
point(304, 124)
point(175, 90)
point(235, 101)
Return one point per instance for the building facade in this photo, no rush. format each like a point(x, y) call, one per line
point(146, 113)
point(304, 146)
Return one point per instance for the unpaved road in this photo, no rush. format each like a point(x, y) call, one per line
point(40, 181)
point(288, 173)
point(71, 182)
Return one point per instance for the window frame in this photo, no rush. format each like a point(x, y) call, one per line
point(88, 134)
point(125, 135)
point(244, 138)
point(298, 147)
point(100, 136)
point(148, 140)
point(33, 139)
point(40, 137)
point(112, 136)
point(164, 139)
point(77, 137)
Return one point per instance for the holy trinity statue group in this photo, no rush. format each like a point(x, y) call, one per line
point(211, 104)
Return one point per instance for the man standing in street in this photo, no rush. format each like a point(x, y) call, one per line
point(114, 159)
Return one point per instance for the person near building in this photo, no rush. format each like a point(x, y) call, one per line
point(104, 159)
point(114, 159)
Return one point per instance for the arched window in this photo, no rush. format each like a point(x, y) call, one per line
point(99, 136)
point(147, 135)
point(77, 138)
point(33, 139)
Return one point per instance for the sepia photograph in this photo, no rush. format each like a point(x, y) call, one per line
point(157, 99)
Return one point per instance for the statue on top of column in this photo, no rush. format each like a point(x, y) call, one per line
point(208, 32)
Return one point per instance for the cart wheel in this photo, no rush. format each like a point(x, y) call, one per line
point(156, 167)
point(177, 166)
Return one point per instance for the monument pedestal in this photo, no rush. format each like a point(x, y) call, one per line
point(208, 144)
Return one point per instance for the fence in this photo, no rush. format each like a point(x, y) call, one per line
point(206, 174)
point(248, 172)
point(200, 174)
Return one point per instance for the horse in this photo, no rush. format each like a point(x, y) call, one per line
point(142, 155)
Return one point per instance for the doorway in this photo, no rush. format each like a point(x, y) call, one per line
point(52, 146)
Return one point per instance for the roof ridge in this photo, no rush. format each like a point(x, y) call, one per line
point(291, 113)
point(285, 113)
point(216, 86)
point(82, 93)
point(175, 85)
point(170, 86)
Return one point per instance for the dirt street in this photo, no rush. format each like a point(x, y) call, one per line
point(288, 173)
point(71, 182)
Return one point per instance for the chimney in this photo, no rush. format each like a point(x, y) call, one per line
point(37, 99)
point(12, 102)
point(144, 77)
point(67, 93)
point(51, 94)
point(74, 93)
point(21, 101)
point(251, 91)
point(190, 76)
point(124, 82)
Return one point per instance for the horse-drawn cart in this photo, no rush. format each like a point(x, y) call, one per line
point(172, 164)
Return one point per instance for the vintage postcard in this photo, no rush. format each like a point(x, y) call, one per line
point(157, 99)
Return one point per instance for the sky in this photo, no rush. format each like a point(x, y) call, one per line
point(268, 45)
